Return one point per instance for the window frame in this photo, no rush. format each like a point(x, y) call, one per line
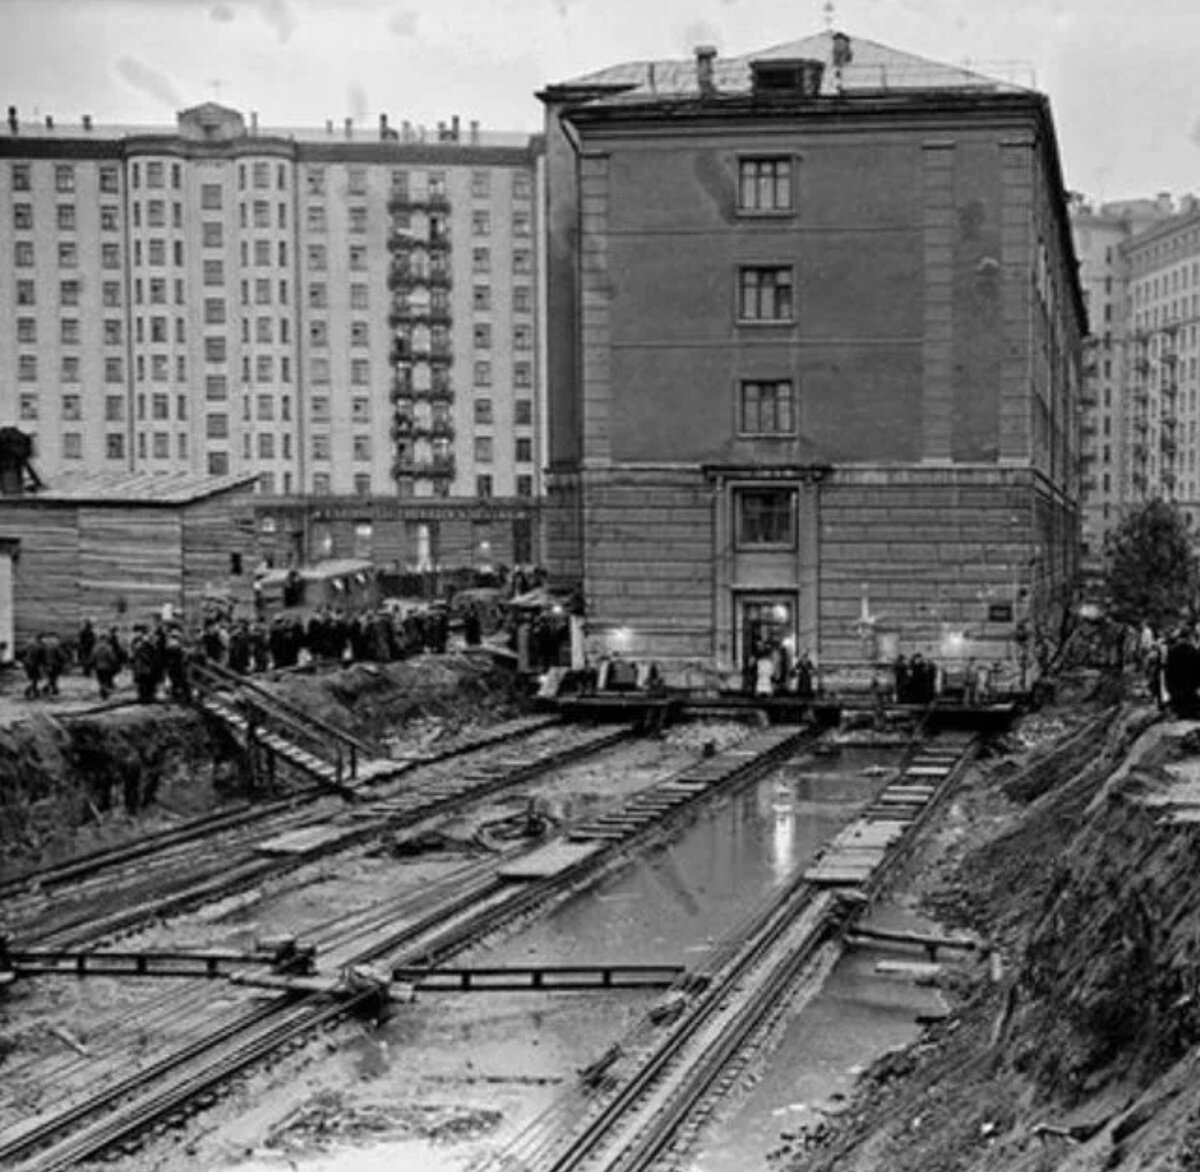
point(743, 385)
point(741, 493)
point(771, 213)
point(740, 286)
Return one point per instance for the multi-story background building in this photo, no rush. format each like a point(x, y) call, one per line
point(1116, 441)
point(345, 314)
point(814, 363)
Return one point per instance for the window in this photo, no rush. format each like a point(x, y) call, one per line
point(108, 180)
point(765, 294)
point(214, 349)
point(482, 336)
point(64, 178)
point(114, 408)
point(262, 253)
point(266, 446)
point(523, 299)
point(314, 218)
point(27, 330)
point(320, 484)
point(316, 257)
point(156, 213)
point(767, 408)
point(358, 220)
point(358, 257)
point(362, 447)
point(320, 409)
point(481, 184)
point(522, 374)
point(483, 449)
point(210, 197)
point(110, 256)
point(214, 272)
point(766, 516)
point(360, 372)
point(481, 298)
point(214, 311)
point(318, 296)
point(264, 369)
point(481, 260)
point(483, 374)
point(359, 333)
point(21, 177)
point(314, 180)
point(522, 261)
point(72, 445)
point(360, 410)
point(483, 487)
point(216, 426)
point(524, 450)
point(154, 175)
point(262, 175)
point(522, 185)
point(158, 368)
point(114, 370)
point(28, 407)
point(23, 254)
point(765, 185)
point(319, 372)
point(215, 388)
point(318, 333)
point(158, 253)
point(521, 224)
point(68, 293)
point(162, 445)
point(158, 291)
point(523, 412)
point(481, 224)
point(69, 331)
point(356, 180)
point(483, 411)
point(262, 291)
point(359, 297)
point(22, 216)
point(72, 407)
point(112, 331)
point(263, 329)
point(114, 446)
point(109, 218)
point(522, 337)
point(158, 329)
point(218, 463)
point(160, 407)
point(320, 447)
point(525, 485)
point(262, 213)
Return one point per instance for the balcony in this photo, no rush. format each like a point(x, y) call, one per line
point(440, 392)
point(408, 315)
point(402, 388)
point(441, 353)
point(433, 468)
point(1138, 451)
point(402, 428)
point(439, 278)
point(404, 201)
point(401, 352)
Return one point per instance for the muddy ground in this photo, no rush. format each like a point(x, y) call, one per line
point(77, 774)
point(1075, 1045)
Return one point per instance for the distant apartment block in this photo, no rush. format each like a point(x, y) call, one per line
point(1140, 269)
point(343, 313)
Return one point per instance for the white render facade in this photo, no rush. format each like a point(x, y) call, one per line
point(214, 299)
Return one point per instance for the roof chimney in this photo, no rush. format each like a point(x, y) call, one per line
point(406, 130)
point(1163, 202)
point(329, 126)
point(383, 128)
point(87, 123)
point(349, 127)
point(474, 132)
point(441, 132)
point(49, 121)
point(253, 121)
point(455, 128)
point(13, 125)
point(705, 56)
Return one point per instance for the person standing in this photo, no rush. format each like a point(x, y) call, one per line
point(34, 661)
point(85, 646)
point(106, 661)
point(53, 662)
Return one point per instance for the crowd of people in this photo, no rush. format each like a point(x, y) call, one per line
point(1172, 665)
point(158, 654)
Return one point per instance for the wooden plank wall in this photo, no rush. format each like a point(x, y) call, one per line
point(46, 570)
point(131, 553)
point(212, 530)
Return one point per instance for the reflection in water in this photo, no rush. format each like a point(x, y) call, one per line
point(783, 832)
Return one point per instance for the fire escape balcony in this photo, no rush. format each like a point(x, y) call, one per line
point(440, 392)
point(408, 315)
point(436, 429)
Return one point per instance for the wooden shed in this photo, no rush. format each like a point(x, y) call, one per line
point(118, 548)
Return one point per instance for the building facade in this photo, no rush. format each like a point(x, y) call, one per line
point(814, 359)
point(1115, 449)
point(339, 312)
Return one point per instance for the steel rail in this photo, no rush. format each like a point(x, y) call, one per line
point(481, 911)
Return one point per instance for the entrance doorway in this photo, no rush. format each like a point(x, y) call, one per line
point(766, 627)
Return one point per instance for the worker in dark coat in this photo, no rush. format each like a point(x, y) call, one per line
point(145, 661)
point(85, 646)
point(1182, 675)
point(34, 662)
point(175, 664)
point(239, 648)
point(106, 662)
point(53, 662)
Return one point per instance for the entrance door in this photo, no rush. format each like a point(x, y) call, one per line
point(766, 627)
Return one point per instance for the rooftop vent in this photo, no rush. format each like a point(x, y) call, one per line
point(87, 122)
point(792, 77)
point(706, 55)
point(14, 125)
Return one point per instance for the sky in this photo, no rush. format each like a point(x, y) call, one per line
point(1123, 78)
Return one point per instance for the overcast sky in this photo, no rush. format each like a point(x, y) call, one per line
point(1123, 77)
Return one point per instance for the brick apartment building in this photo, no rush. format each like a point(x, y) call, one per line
point(814, 357)
point(350, 315)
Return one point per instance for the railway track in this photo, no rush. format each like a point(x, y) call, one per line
point(205, 869)
point(475, 905)
point(642, 1104)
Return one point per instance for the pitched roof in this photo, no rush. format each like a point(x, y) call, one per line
point(135, 488)
point(872, 67)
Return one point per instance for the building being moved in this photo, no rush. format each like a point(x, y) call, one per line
point(814, 358)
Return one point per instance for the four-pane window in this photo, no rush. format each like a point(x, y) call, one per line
point(765, 293)
point(765, 185)
point(767, 408)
